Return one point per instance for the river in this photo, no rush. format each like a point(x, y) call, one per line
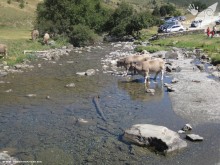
point(49, 126)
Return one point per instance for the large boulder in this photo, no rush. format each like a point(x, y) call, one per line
point(159, 138)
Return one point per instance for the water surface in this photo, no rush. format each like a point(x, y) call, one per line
point(47, 127)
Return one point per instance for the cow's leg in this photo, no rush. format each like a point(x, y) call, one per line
point(146, 77)
point(162, 74)
point(155, 77)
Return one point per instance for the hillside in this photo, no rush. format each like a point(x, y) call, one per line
point(11, 15)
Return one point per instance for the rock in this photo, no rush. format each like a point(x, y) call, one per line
point(218, 67)
point(6, 67)
point(187, 127)
point(167, 85)
point(194, 137)
point(216, 74)
point(82, 121)
point(204, 57)
point(150, 91)
point(181, 132)
point(81, 73)
point(160, 54)
point(4, 156)
point(200, 67)
point(171, 55)
point(3, 73)
point(70, 46)
point(175, 81)
point(117, 45)
point(8, 91)
point(31, 95)
point(170, 89)
point(169, 68)
point(48, 97)
point(158, 137)
point(176, 69)
point(71, 85)
point(90, 72)
point(52, 43)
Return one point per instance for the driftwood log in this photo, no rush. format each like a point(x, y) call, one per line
point(98, 108)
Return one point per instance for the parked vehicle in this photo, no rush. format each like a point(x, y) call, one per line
point(174, 28)
point(196, 23)
point(217, 22)
point(181, 18)
point(163, 27)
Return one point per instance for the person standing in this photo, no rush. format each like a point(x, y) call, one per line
point(214, 29)
point(208, 31)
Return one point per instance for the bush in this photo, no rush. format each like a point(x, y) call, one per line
point(215, 59)
point(82, 35)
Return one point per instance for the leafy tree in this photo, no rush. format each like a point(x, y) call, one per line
point(163, 11)
point(201, 6)
point(82, 35)
point(169, 10)
point(156, 11)
point(59, 16)
point(121, 15)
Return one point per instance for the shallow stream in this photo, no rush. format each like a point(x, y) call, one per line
point(48, 127)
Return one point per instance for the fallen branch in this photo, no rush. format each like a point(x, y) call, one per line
point(34, 51)
point(98, 108)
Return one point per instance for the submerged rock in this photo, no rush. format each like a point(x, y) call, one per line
point(71, 85)
point(81, 73)
point(194, 137)
point(90, 72)
point(159, 138)
point(187, 127)
point(150, 91)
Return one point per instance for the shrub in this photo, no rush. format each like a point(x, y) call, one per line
point(82, 35)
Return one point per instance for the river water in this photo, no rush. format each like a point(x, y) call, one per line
point(48, 127)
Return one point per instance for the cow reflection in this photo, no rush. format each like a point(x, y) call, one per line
point(137, 90)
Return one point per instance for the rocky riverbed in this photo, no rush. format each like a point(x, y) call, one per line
point(47, 112)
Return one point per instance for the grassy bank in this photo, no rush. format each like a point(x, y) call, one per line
point(16, 25)
point(211, 46)
point(18, 40)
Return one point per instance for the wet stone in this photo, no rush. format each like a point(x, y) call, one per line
point(81, 73)
point(31, 95)
point(71, 85)
point(194, 137)
point(187, 127)
point(150, 91)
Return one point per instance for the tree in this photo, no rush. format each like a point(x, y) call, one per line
point(201, 6)
point(156, 11)
point(59, 16)
point(163, 11)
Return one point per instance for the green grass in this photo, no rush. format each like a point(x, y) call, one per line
point(209, 45)
point(16, 25)
point(18, 40)
point(150, 48)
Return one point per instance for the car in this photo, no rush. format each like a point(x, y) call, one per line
point(174, 28)
point(181, 18)
point(163, 27)
point(196, 23)
point(217, 22)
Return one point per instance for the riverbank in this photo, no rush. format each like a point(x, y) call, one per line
point(196, 98)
